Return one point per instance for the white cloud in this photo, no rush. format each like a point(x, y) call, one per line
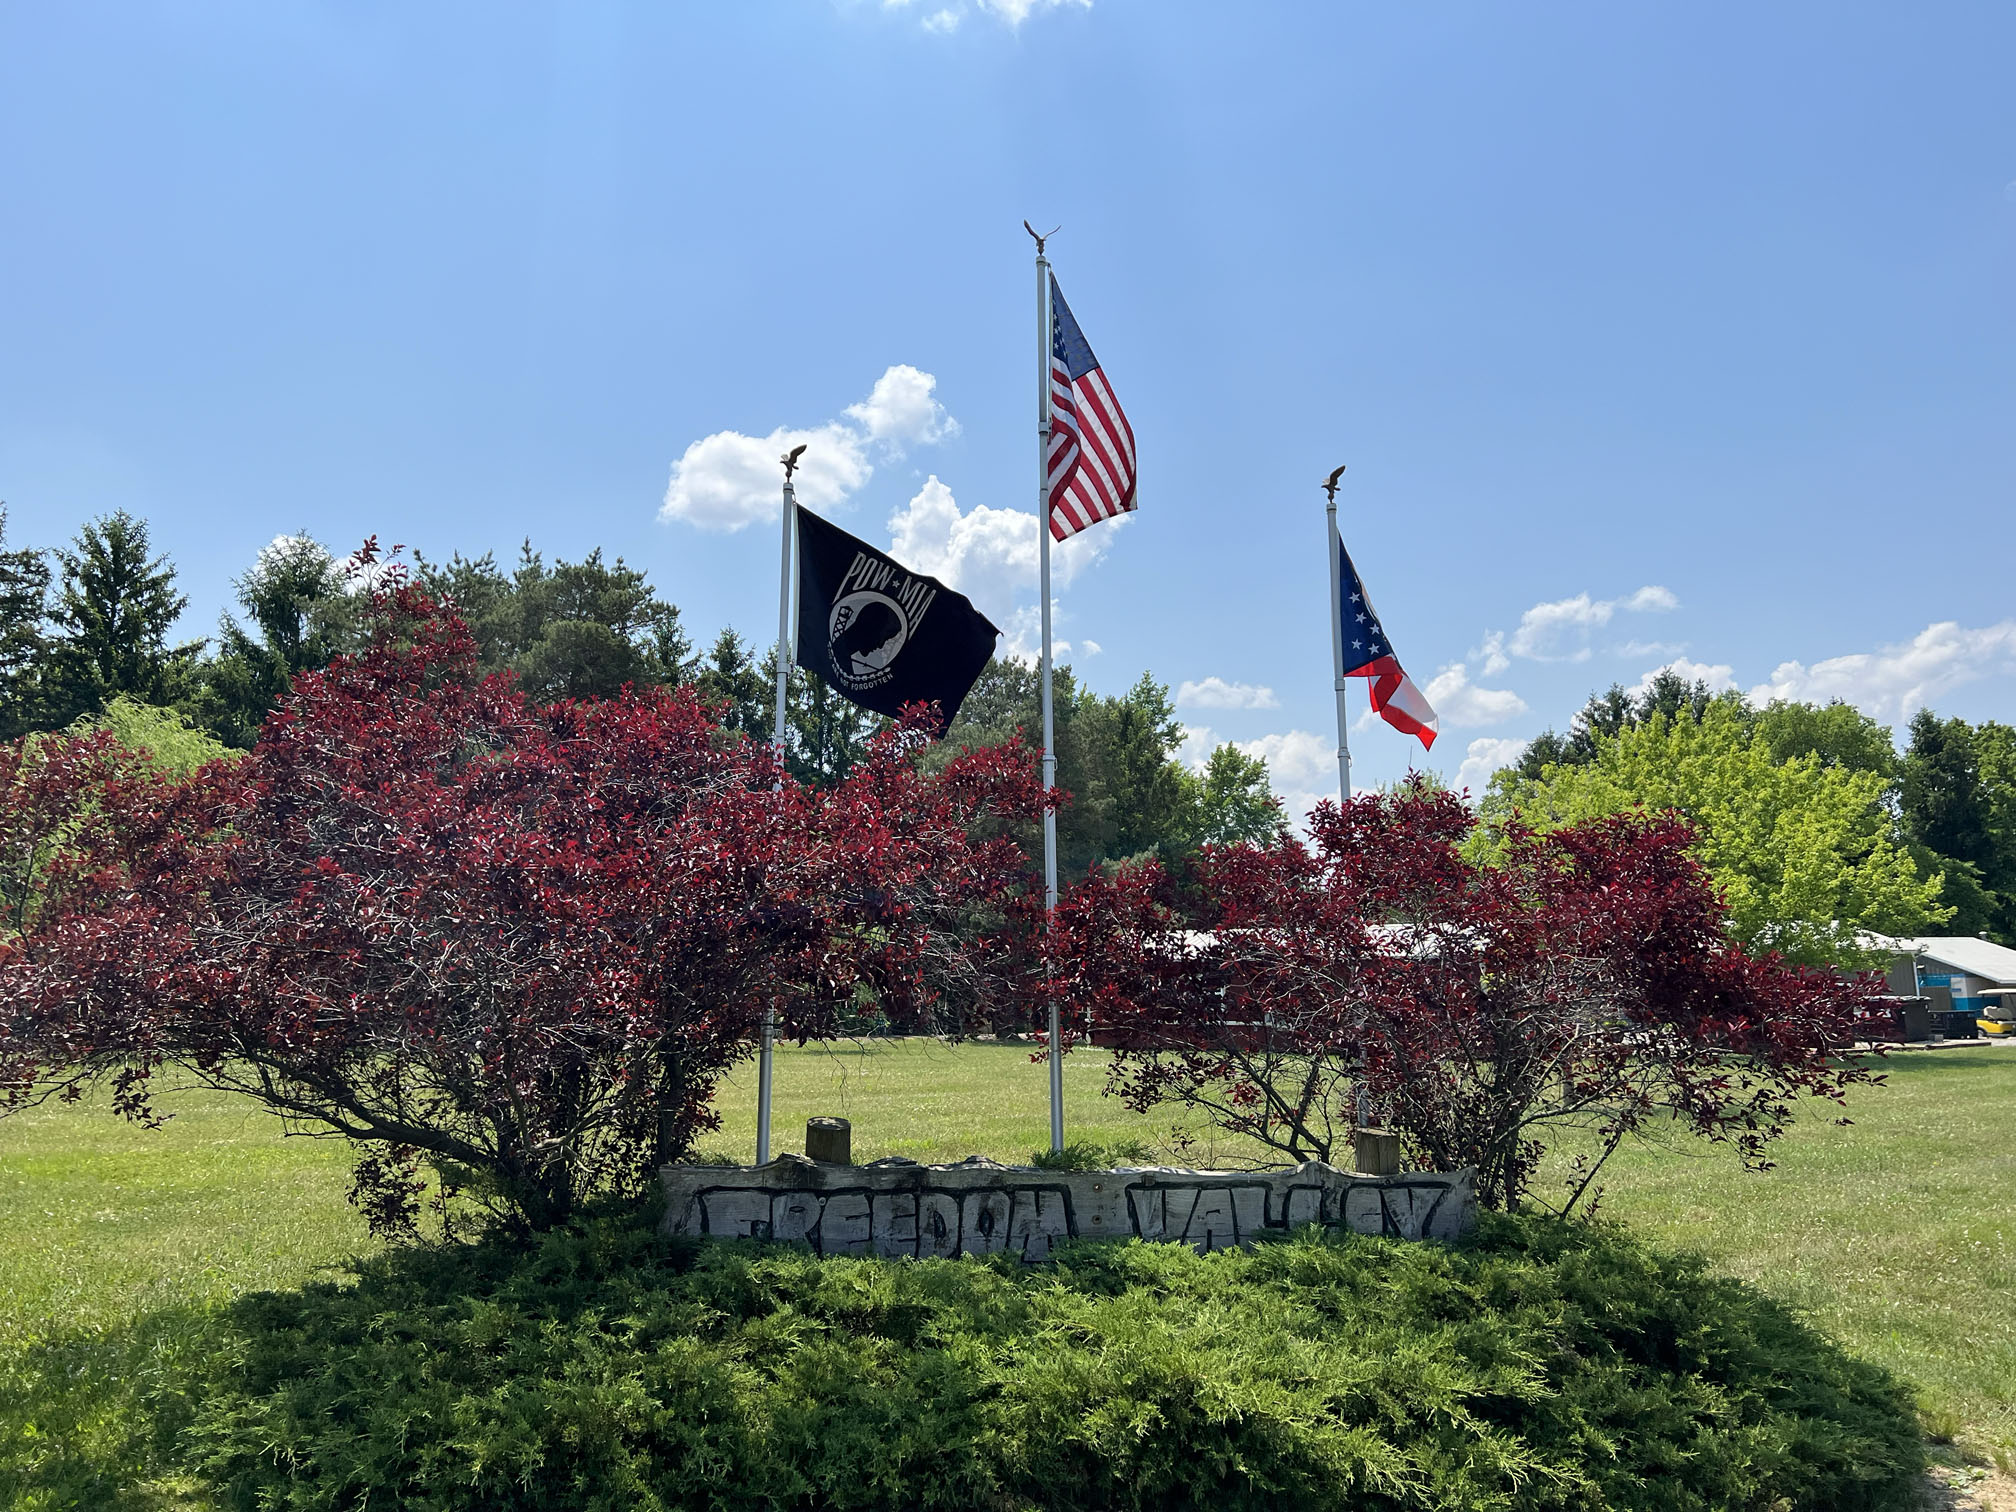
point(1216, 693)
point(1296, 758)
point(1022, 636)
point(1195, 749)
point(1649, 648)
point(1652, 599)
point(1014, 12)
point(1493, 653)
point(1483, 758)
point(987, 554)
point(900, 411)
point(1559, 630)
point(1718, 676)
point(730, 480)
point(1459, 703)
point(1894, 682)
point(1301, 768)
point(1089, 648)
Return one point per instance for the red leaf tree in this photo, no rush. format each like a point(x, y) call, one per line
point(1583, 981)
point(519, 942)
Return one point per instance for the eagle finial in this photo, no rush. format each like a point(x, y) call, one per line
point(1330, 484)
point(790, 460)
point(1041, 236)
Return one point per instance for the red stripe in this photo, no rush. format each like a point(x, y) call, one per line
point(1385, 677)
point(1090, 463)
point(1099, 429)
point(1406, 724)
point(1101, 439)
point(1096, 386)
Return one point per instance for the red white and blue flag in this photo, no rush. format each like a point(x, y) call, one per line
point(1090, 472)
point(1369, 654)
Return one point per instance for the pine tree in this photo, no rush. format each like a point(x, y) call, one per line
point(115, 604)
point(24, 640)
point(1606, 714)
point(1949, 813)
point(729, 678)
point(578, 629)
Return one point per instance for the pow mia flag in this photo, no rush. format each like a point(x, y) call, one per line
point(881, 635)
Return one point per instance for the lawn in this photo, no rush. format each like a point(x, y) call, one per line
point(1896, 1234)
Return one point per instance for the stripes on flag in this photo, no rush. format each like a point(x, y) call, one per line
point(1090, 475)
point(1369, 654)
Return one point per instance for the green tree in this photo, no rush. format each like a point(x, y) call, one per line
point(728, 677)
point(1116, 757)
point(1961, 820)
point(1131, 742)
point(1807, 855)
point(301, 614)
point(575, 630)
point(1836, 734)
point(165, 739)
point(1667, 694)
point(825, 735)
point(24, 638)
point(1233, 802)
point(115, 603)
point(1995, 758)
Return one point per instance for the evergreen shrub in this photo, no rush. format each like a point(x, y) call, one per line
point(1544, 1364)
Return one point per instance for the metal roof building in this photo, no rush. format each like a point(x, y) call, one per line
point(1980, 974)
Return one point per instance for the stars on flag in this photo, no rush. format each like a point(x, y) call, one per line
point(1394, 696)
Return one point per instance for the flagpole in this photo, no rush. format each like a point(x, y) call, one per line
point(765, 1056)
point(1337, 638)
point(1049, 721)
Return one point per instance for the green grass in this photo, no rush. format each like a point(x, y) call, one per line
point(114, 1240)
point(1897, 1235)
point(935, 1102)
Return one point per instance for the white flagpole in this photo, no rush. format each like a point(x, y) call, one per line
point(1049, 723)
point(1337, 638)
point(765, 1056)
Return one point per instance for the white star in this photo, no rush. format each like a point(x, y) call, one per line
point(1357, 645)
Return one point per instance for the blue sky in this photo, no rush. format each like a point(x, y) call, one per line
point(1649, 332)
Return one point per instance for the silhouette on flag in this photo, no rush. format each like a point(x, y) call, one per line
point(1091, 460)
point(1368, 654)
point(881, 635)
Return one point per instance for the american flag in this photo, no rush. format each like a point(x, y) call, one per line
point(1091, 460)
point(1369, 654)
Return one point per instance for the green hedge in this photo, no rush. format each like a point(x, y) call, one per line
point(1541, 1365)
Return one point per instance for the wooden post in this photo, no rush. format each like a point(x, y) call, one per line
point(829, 1140)
point(1377, 1151)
